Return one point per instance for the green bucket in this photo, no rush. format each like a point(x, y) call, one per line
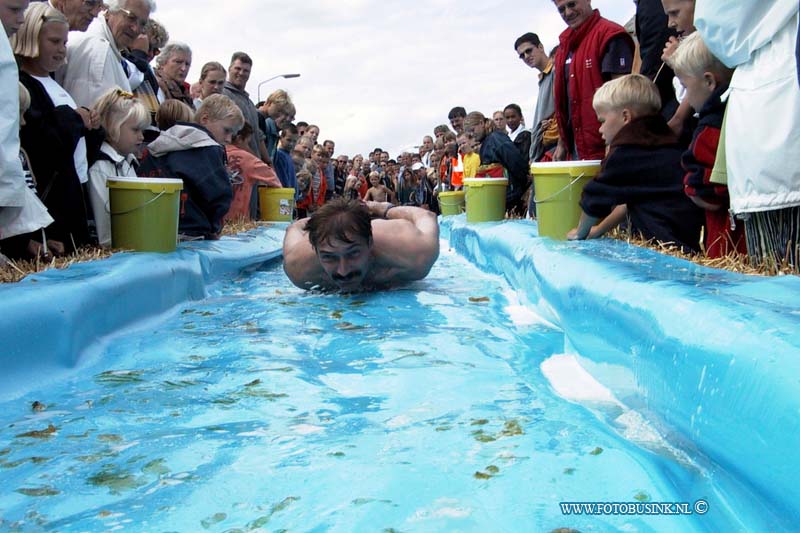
point(451, 203)
point(485, 199)
point(144, 213)
point(276, 204)
point(558, 187)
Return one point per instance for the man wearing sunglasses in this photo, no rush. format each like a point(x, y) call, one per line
point(544, 130)
point(592, 50)
point(94, 59)
point(79, 13)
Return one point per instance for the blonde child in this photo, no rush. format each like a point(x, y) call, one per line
point(195, 153)
point(56, 130)
point(378, 192)
point(124, 119)
point(466, 146)
point(246, 171)
point(706, 79)
point(641, 177)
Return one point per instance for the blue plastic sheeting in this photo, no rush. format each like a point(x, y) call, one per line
point(49, 321)
point(712, 356)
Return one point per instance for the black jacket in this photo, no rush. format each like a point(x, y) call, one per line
point(643, 170)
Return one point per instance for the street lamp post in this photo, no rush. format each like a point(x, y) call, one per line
point(287, 76)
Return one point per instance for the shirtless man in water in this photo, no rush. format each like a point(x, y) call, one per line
point(352, 246)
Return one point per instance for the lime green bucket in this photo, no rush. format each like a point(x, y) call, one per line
point(451, 203)
point(276, 204)
point(485, 199)
point(144, 213)
point(558, 189)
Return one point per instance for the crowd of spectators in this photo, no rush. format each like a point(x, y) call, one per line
point(104, 92)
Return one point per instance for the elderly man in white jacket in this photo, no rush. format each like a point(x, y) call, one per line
point(94, 59)
point(762, 143)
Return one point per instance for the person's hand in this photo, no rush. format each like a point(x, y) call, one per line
point(669, 48)
point(560, 153)
point(377, 209)
point(91, 119)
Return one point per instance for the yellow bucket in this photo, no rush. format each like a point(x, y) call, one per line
point(485, 199)
point(451, 203)
point(558, 187)
point(144, 213)
point(276, 204)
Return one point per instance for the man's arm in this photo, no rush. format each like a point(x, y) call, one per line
point(299, 260)
point(408, 240)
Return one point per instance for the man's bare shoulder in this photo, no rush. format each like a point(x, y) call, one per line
point(300, 262)
point(408, 249)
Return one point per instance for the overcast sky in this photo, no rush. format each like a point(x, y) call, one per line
point(377, 72)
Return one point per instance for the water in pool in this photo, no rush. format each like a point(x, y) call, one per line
point(267, 408)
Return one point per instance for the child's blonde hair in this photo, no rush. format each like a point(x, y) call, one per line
point(24, 99)
point(220, 107)
point(693, 58)
point(633, 91)
point(172, 111)
point(26, 41)
point(476, 118)
point(115, 108)
point(282, 102)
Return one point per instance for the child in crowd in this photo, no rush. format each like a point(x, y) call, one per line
point(172, 111)
point(466, 147)
point(706, 79)
point(303, 188)
point(680, 18)
point(56, 129)
point(17, 241)
point(246, 171)
point(124, 119)
point(378, 192)
point(195, 153)
point(641, 171)
point(496, 147)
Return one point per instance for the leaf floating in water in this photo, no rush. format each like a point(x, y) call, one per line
point(38, 492)
point(481, 475)
point(596, 451)
point(565, 530)
point(115, 480)
point(253, 383)
point(284, 504)
point(109, 437)
point(156, 467)
point(492, 469)
point(39, 460)
point(357, 303)
point(216, 518)
point(119, 377)
point(337, 315)
point(336, 454)
point(479, 299)
point(569, 471)
point(511, 428)
point(443, 428)
point(5, 451)
point(479, 422)
point(38, 406)
point(480, 436)
point(40, 434)
point(347, 326)
point(206, 313)
point(182, 384)
point(642, 496)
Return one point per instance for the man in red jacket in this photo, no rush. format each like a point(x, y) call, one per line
point(592, 50)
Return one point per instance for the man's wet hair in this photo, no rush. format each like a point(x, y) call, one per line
point(529, 37)
point(457, 111)
point(342, 219)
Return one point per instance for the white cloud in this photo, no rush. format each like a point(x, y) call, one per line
point(377, 73)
